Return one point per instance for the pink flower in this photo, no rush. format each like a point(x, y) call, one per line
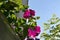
point(31, 33)
point(37, 29)
point(35, 32)
point(32, 12)
point(26, 14)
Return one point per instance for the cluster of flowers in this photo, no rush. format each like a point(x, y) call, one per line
point(32, 33)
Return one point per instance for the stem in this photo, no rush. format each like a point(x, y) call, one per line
point(26, 21)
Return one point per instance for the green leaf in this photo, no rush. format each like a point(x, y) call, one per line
point(9, 20)
point(37, 17)
point(33, 24)
point(46, 26)
point(13, 16)
point(26, 6)
point(6, 14)
point(22, 21)
point(16, 30)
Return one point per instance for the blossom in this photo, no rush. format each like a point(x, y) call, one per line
point(28, 13)
point(37, 29)
point(35, 32)
point(31, 33)
point(32, 12)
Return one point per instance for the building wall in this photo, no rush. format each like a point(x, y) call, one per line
point(25, 2)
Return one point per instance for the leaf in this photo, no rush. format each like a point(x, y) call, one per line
point(6, 14)
point(9, 20)
point(13, 16)
point(16, 30)
point(46, 26)
point(32, 24)
point(26, 6)
point(37, 17)
point(1, 3)
point(22, 21)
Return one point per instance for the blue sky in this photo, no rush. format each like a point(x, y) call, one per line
point(45, 9)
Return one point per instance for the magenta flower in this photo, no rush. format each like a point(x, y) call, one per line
point(31, 33)
point(26, 14)
point(32, 12)
point(37, 29)
point(35, 32)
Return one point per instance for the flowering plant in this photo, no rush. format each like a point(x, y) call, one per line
point(33, 29)
point(26, 26)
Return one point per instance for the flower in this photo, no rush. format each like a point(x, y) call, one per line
point(28, 13)
point(35, 32)
point(31, 33)
point(32, 12)
point(37, 29)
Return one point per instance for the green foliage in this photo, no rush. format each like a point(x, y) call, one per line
point(9, 8)
point(46, 26)
point(21, 6)
point(53, 25)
